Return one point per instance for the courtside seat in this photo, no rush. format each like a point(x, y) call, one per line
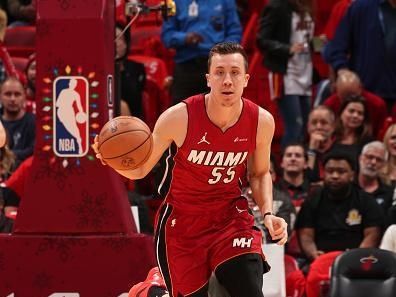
point(364, 272)
point(156, 72)
point(318, 279)
point(295, 280)
point(154, 47)
point(20, 41)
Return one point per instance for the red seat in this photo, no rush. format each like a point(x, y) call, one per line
point(155, 68)
point(154, 47)
point(318, 279)
point(20, 41)
point(20, 63)
point(156, 72)
point(295, 280)
point(139, 35)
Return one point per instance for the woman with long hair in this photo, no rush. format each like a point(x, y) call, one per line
point(390, 143)
point(353, 127)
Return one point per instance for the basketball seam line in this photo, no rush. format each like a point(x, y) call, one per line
point(128, 151)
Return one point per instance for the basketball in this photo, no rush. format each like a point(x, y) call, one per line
point(125, 143)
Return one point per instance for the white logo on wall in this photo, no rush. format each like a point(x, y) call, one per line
point(70, 116)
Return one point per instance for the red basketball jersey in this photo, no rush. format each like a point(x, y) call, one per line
point(208, 167)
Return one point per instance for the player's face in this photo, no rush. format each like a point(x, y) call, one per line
point(227, 78)
point(12, 96)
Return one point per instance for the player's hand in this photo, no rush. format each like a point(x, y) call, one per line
point(297, 48)
point(277, 228)
point(193, 38)
point(95, 148)
point(3, 135)
point(315, 140)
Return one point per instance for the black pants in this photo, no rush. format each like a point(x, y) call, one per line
point(241, 276)
point(189, 79)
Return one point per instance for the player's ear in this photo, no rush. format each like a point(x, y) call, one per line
point(247, 76)
point(207, 80)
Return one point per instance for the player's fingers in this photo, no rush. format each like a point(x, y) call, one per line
point(282, 241)
point(95, 144)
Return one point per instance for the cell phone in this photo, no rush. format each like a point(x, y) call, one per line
point(318, 44)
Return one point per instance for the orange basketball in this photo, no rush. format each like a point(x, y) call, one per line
point(125, 142)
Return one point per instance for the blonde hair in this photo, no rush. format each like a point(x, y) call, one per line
point(389, 166)
point(7, 162)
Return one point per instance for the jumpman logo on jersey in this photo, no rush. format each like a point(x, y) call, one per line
point(203, 139)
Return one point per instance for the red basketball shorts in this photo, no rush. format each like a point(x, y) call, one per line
point(190, 246)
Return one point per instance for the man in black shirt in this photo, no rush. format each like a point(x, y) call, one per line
point(19, 124)
point(339, 216)
point(371, 162)
point(294, 181)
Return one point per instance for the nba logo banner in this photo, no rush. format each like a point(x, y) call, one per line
point(70, 116)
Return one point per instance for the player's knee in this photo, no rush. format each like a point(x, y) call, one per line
point(242, 276)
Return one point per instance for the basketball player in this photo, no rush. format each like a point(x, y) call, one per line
point(204, 224)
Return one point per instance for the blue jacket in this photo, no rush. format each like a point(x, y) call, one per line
point(217, 21)
point(359, 45)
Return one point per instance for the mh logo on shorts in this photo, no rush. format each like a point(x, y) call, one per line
point(242, 242)
point(70, 116)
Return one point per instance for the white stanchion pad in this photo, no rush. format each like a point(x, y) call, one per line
point(274, 281)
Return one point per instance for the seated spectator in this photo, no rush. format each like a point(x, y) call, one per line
point(371, 162)
point(321, 126)
point(353, 127)
point(30, 73)
point(14, 187)
point(339, 216)
point(282, 205)
point(6, 223)
point(19, 124)
point(347, 84)
point(294, 181)
point(7, 163)
point(390, 167)
point(132, 76)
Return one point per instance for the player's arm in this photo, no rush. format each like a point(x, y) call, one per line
point(260, 177)
point(259, 163)
point(170, 126)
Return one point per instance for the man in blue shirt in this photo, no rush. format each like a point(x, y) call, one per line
point(196, 27)
point(365, 42)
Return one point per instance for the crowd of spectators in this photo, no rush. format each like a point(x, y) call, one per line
point(335, 177)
